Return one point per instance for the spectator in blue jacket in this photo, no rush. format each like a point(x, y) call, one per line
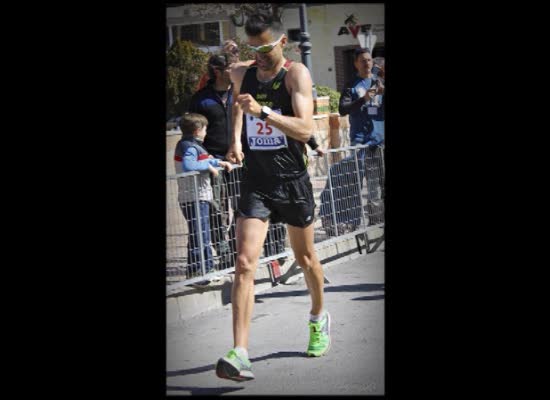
point(363, 100)
point(214, 102)
point(190, 155)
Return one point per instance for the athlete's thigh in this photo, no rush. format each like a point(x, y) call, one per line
point(251, 233)
point(301, 240)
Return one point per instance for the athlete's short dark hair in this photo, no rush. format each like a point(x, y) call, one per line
point(256, 24)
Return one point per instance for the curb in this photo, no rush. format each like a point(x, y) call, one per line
point(193, 301)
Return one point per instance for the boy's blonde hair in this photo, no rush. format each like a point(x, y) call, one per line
point(190, 122)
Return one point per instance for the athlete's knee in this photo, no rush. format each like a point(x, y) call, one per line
point(245, 265)
point(307, 260)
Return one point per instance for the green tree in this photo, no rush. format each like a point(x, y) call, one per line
point(185, 64)
point(244, 10)
point(334, 97)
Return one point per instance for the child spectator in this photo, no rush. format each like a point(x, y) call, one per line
point(190, 155)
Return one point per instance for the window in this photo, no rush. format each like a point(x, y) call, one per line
point(294, 35)
point(212, 34)
point(226, 30)
point(206, 34)
point(191, 33)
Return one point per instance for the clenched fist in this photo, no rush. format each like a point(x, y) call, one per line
point(235, 153)
point(249, 105)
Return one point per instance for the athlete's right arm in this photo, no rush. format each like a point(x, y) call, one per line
point(235, 153)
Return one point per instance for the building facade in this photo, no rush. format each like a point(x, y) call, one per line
point(334, 29)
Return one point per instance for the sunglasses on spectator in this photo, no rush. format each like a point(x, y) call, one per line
point(265, 48)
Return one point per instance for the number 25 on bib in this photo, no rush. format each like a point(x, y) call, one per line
point(262, 136)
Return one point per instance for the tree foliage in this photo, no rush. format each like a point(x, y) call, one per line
point(185, 64)
point(334, 97)
point(244, 52)
point(244, 10)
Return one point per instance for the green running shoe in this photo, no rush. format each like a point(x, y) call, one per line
point(234, 366)
point(319, 337)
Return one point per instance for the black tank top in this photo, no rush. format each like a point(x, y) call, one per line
point(281, 164)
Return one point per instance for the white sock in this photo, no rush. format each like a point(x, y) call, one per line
point(316, 318)
point(242, 350)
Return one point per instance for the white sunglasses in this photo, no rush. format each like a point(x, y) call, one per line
point(265, 48)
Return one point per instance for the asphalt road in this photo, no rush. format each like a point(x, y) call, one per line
point(279, 337)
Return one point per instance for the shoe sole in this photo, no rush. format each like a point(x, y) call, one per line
point(226, 370)
point(329, 341)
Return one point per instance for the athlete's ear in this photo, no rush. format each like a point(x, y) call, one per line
point(284, 40)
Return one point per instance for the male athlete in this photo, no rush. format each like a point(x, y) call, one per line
point(272, 121)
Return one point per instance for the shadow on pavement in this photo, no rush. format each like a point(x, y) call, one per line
point(360, 287)
point(190, 371)
point(280, 354)
point(211, 367)
point(205, 390)
point(376, 297)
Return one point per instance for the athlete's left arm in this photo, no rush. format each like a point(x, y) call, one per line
point(299, 127)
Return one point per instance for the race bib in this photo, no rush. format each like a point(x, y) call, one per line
point(262, 136)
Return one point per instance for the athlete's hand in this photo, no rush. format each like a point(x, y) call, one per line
point(249, 104)
point(235, 153)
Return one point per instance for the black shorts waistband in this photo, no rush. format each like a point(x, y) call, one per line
point(271, 180)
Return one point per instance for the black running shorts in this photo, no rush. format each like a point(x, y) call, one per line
point(289, 202)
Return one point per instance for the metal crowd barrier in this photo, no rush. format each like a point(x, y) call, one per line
point(348, 187)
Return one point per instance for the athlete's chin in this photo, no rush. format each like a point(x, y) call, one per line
point(263, 62)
